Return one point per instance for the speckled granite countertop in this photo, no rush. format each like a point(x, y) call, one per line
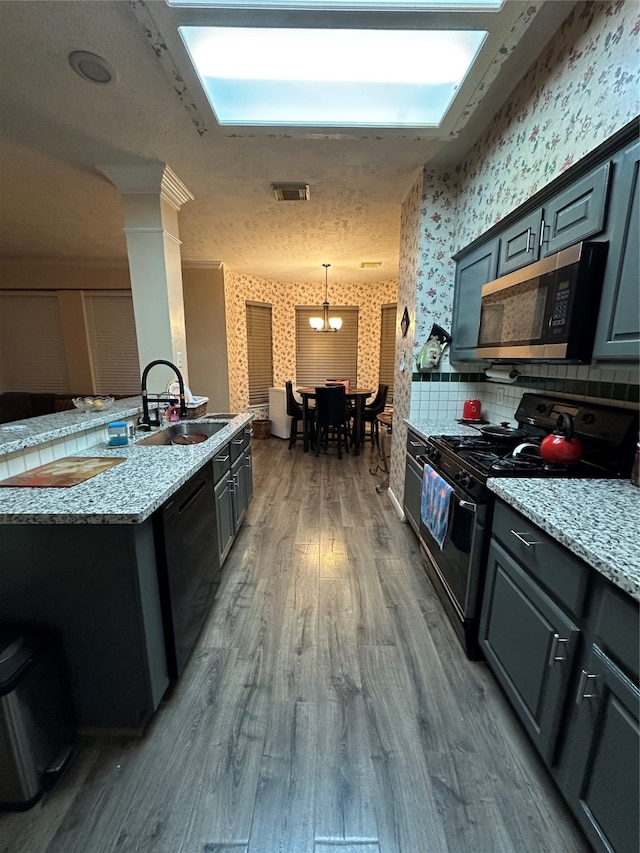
point(597, 520)
point(441, 427)
point(29, 432)
point(125, 494)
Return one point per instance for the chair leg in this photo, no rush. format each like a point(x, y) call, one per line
point(293, 433)
point(318, 440)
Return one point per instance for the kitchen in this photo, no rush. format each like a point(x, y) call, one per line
point(519, 144)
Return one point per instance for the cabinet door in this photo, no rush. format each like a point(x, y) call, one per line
point(529, 644)
point(224, 515)
point(520, 244)
point(412, 493)
point(577, 212)
point(239, 491)
point(472, 271)
point(603, 765)
point(618, 331)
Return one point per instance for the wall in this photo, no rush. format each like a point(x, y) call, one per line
point(582, 88)
point(284, 298)
point(204, 314)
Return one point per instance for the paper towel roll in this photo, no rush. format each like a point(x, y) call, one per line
point(508, 375)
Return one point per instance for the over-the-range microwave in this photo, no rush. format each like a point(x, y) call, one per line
point(546, 311)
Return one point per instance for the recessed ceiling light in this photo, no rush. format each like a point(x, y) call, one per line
point(91, 67)
point(330, 77)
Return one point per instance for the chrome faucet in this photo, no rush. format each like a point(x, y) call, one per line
point(146, 422)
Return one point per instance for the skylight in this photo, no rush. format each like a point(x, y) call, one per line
point(347, 5)
point(330, 77)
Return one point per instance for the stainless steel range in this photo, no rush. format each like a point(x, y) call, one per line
point(608, 437)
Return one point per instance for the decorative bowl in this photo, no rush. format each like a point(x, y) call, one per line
point(93, 404)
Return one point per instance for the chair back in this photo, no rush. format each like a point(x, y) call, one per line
point(380, 400)
point(294, 409)
point(331, 405)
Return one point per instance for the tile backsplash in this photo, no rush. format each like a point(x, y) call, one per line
point(441, 394)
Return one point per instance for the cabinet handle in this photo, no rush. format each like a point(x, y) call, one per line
point(520, 538)
point(543, 236)
point(582, 686)
point(416, 443)
point(232, 485)
point(222, 459)
point(554, 657)
point(529, 247)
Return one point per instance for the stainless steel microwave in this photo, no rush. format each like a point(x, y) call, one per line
point(546, 311)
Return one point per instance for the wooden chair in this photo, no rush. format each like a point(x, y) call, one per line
point(372, 410)
point(294, 411)
point(332, 418)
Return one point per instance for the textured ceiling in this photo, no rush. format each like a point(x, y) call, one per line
point(55, 128)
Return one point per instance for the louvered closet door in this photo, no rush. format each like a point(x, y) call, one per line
point(326, 355)
point(32, 352)
point(113, 343)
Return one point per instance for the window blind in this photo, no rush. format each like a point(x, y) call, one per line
point(326, 355)
point(113, 343)
point(32, 352)
point(259, 352)
point(388, 346)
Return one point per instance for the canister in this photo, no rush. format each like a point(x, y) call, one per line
point(118, 433)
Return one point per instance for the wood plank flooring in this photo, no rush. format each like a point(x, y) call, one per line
point(328, 707)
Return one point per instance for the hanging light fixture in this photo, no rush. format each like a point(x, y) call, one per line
point(325, 323)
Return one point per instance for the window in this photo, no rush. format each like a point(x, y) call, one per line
point(113, 343)
point(32, 351)
point(388, 347)
point(259, 352)
point(326, 355)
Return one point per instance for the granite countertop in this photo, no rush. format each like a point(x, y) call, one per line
point(597, 520)
point(127, 493)
point(425, 428)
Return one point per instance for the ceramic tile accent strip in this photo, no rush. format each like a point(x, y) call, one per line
point(597, 520)
point(125, 494)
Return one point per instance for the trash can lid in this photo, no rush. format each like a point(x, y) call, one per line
point(16, 652)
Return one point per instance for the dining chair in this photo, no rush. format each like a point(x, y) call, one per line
point(332, 418)
point(372, 410)
point(294, 411)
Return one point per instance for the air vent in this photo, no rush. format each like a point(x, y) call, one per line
point(291, 192)
point(370, 265)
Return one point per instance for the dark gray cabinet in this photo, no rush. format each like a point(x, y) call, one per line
point(474, 270)
point(233, 489)
point(242, 477)
point(415, 459)
point(529, 644)
point(618, 331)
point(563, 643)
point(568, 216)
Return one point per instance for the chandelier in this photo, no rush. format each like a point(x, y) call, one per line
point(325, 323)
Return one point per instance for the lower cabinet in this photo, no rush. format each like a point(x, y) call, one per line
point(563, 643)
point(415, 460)
point(233, 489)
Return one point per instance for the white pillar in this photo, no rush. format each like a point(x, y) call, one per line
point(152, 196)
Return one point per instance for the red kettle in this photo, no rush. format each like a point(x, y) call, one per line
point(561, 447)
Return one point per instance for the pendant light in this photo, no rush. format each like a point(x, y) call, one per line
point(325, 323)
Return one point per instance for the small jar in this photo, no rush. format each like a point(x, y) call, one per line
point(118, 433)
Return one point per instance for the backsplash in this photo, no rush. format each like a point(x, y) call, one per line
point(441, 394)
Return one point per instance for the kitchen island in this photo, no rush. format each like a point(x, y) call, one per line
point(84, 560)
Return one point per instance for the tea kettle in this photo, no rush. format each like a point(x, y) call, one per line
point(561, 447)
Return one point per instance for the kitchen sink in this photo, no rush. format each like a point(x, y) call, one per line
point(176, 431)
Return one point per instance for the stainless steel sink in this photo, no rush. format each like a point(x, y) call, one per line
point(167, 435)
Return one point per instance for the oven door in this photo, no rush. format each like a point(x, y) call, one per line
point(458, 566)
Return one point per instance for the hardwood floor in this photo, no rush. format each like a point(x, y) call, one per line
point(328, 706)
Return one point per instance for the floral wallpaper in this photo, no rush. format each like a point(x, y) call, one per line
point(284, 298)
point(583, 87)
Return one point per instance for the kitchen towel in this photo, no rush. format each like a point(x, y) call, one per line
point(435, 504)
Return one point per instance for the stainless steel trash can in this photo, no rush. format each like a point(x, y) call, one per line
point(36, 733)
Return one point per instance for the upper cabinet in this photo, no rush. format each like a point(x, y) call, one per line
point(618, 332)
point(601, 202)
point(574, 214)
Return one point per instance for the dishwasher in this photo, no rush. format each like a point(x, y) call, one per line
point(188, 565)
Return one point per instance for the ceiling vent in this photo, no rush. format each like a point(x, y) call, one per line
point(291, 192)
point(370, 265)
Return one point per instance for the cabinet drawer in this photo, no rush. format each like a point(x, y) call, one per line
point(617, 628)
point(564, 576)
point(221, 463)
point(416, 446)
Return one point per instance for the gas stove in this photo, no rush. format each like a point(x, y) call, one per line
point(608, 436)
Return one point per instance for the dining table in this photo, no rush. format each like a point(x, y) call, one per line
point(357, 395)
